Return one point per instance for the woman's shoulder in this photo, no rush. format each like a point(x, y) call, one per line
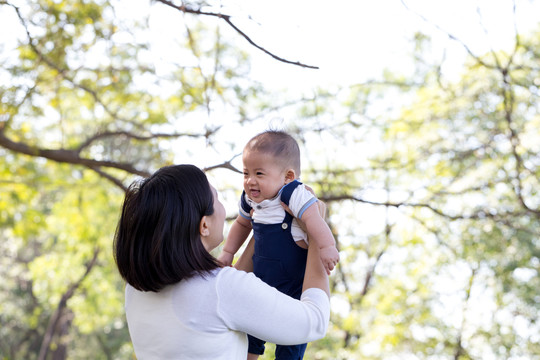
point(232, 274)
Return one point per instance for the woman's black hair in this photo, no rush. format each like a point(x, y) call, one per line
point(157, 241)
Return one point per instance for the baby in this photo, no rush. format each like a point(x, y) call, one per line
point(271, 162)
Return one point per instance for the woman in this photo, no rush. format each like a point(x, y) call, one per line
point(180, 303)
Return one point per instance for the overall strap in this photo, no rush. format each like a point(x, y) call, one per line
point(286, 197)
point(288, 190)
point(245, 206)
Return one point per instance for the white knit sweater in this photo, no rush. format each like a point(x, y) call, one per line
point(208, 317)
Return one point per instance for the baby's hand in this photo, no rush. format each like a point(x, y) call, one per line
point(226, 258)
point(329, 257)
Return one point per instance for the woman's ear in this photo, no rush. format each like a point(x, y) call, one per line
point(290, 175)
point(204, 230)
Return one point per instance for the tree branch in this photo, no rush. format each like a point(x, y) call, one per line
point(111, 178)
point(477, 215)
point(224, 165)
point(450, 36)
point(459, 351)
point(66, 156)
point(55, 318)
point(227, 19)
point(127, 134)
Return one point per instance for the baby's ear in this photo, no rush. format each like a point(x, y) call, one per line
point(290, 175)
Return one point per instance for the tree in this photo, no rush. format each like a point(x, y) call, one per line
point(72, 122)
point(452, 271)
point(436, 215)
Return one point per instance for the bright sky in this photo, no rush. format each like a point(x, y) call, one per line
point(352, 40)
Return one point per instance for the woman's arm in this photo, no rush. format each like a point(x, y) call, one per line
point(320, 234)
point(247, 304)
point(313, 277)
point(316, 275)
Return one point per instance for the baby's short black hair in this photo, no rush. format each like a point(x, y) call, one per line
point(282, 146)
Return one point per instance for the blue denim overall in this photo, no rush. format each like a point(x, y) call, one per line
point(279, 262)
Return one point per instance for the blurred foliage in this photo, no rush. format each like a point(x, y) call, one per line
point(432, 182)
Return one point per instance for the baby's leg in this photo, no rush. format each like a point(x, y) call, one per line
point(289, 352)
point(255, 347)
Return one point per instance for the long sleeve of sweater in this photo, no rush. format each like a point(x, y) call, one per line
point(247, 304)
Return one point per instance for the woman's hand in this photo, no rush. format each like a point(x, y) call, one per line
point(329, 254)
point(321, 206)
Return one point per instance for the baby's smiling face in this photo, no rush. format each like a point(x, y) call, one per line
point(263, 175)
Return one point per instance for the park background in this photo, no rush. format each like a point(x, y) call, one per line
point(420, 130)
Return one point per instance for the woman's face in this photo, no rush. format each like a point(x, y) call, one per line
point(215, 224)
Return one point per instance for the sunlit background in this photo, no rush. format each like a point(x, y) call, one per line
point(419, 128)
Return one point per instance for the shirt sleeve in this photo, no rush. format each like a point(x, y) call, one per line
point(300, 200)
point(242, 212)
point(247, 304)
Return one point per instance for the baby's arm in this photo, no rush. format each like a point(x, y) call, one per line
point(239, 232)
point(245, 261)
point(319, 232)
